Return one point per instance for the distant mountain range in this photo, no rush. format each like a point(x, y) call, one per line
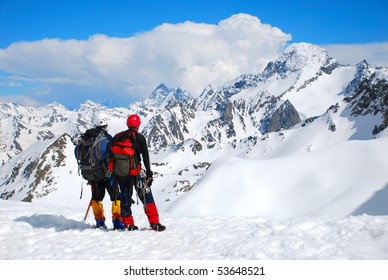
point(302, 102)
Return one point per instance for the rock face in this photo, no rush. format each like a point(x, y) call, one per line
point(282, 118)
point(370, 95)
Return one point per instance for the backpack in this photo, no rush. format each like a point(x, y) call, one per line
point(124, 161)
point(90, 152)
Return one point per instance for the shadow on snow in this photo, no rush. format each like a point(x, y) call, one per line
point(59, 223)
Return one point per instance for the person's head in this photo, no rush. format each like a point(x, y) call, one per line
point(101, 120)
point(133, 122)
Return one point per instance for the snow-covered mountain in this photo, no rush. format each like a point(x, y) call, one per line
point(306, 125)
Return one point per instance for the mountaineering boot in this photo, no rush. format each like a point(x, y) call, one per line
point(98, 211)
point(101, 224)
point(132, 228)
point(129, 223)
point(117, 224)
point(157, 227)
point(116, 215)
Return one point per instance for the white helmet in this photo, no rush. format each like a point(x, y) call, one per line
point(102, 119)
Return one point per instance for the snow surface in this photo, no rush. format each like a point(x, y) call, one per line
point(31, 231)
point(333, 181)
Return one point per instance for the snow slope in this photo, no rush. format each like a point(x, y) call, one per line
point(321, 182)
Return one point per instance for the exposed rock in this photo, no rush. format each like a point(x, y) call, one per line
point(284, 117)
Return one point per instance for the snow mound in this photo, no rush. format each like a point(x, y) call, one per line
point(321, 182)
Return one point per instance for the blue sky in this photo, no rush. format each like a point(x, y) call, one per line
point(70, 51)
point(317, 22)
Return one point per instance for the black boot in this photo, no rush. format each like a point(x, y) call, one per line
point(157, 227)
point(131, 228)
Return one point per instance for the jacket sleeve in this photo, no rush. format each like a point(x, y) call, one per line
point(143, 149)
point(105, 146)
point(105, 149)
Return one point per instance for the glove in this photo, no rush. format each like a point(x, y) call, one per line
point(149, 178)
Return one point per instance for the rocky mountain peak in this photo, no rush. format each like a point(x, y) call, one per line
point(163, 96)
point(300, 57)
point(160, 93)
point(90, 106)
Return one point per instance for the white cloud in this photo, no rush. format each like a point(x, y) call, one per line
point(10, 84)
point(375, 54)
point(20, 99)
point(189, 55)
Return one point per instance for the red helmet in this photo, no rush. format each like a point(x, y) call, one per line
point(133, 121)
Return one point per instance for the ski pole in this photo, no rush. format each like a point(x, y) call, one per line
point(87, 210)
point(82, 189)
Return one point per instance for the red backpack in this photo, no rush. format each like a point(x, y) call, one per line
point(124, 161)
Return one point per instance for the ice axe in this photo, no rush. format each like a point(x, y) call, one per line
point(87, 210)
